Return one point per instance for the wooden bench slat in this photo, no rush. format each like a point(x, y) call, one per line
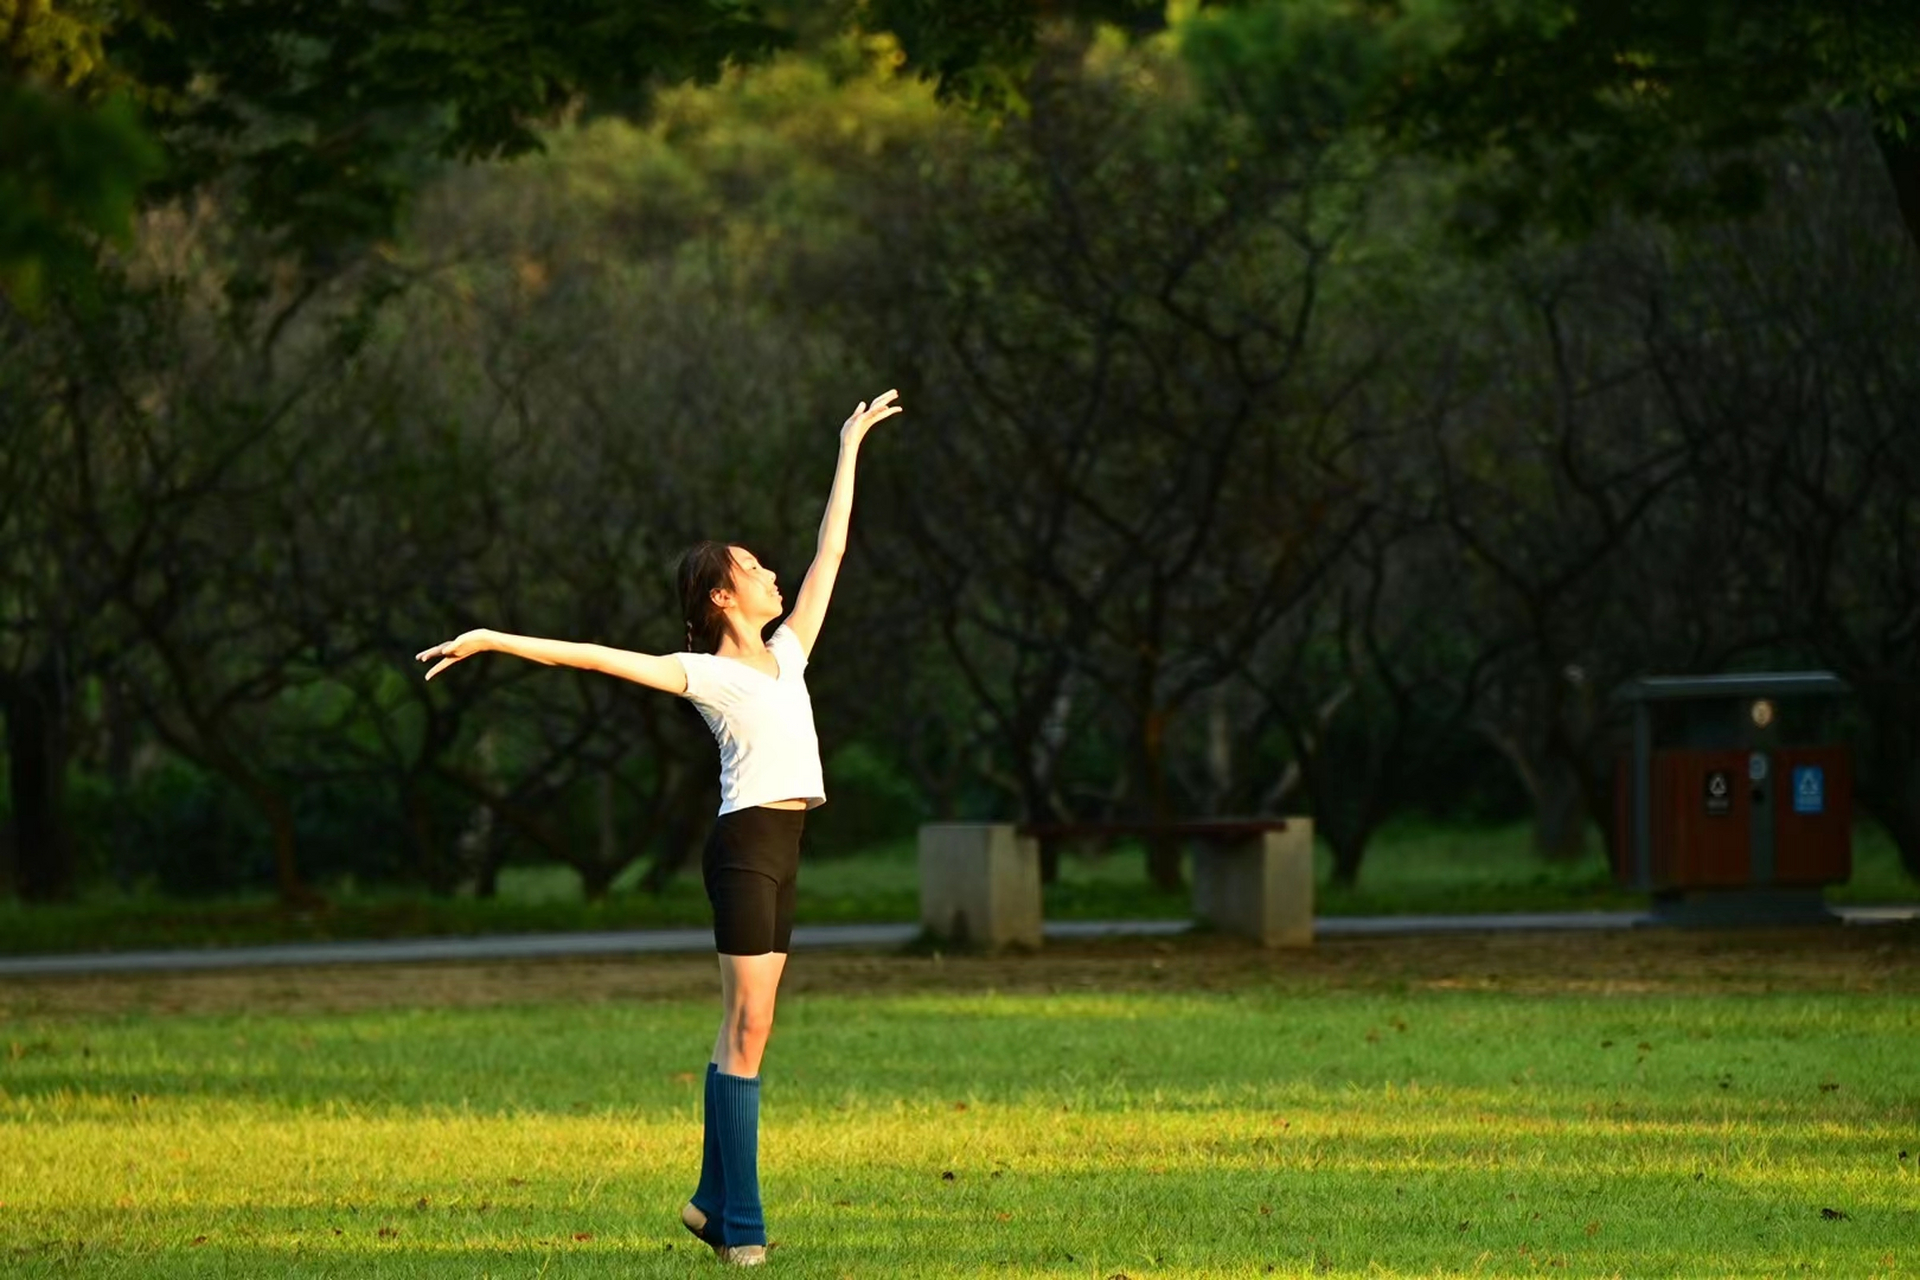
point(1193, 829)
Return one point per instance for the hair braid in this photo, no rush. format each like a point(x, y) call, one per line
point(707, 567)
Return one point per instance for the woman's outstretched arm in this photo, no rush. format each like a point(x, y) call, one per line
point(810, 608)
point(663, 673)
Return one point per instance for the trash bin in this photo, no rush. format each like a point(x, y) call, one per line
point(1733, 805)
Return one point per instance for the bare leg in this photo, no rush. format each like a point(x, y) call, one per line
point(748, 985)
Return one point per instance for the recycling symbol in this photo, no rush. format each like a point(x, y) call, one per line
point(1719, 792)
point(1809, 789)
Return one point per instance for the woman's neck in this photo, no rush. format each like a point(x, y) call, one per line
point(741, 642)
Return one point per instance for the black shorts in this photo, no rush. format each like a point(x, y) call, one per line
point(751, 865)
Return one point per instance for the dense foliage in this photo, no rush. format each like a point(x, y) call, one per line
point(1228, 482)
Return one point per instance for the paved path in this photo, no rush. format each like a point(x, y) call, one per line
point(805, 938)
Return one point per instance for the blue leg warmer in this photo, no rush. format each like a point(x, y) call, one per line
point(736, 1107)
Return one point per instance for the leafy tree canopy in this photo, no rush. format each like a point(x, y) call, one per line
point(317, 120)
point(1566, 109)
point(321, 117)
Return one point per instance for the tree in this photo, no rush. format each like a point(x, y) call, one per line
point(1785, 346)
point(68, 173)
point(608, 329)
point(42, 620)
point(1565, 113)
point(1572, 112)
point(1112, 310)
point(318, 120)
point(1566, 494)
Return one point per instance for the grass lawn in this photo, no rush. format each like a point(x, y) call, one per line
point(1412, 868)
point(1644, 1105)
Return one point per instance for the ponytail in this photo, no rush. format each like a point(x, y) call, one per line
point(707, 567)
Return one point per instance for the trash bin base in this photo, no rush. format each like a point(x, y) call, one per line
point(1734, 908)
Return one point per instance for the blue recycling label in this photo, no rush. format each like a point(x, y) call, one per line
point(1809, 789)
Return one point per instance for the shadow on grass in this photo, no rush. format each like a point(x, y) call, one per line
point(1643, 1061)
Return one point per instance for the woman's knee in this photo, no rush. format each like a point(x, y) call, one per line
point(751, 1022)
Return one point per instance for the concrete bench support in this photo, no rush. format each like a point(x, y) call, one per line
point(1260, 886)
point(980, 885)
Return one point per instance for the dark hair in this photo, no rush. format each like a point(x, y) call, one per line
point(707, 567)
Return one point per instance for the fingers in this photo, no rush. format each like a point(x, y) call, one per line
point(448, 653)
point(878, 409)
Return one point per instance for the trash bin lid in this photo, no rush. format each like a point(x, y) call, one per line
point(1757, 684)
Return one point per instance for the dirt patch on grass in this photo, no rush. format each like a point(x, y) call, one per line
point(1864, 959)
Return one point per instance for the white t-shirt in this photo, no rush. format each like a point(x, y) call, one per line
point(764, 725)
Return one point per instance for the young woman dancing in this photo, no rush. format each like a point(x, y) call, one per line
point(753, 694)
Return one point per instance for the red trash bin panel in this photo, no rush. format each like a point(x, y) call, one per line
point(1812, 815)
point(1702, 819)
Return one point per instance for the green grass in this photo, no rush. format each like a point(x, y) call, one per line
point(1252, 1133)
point(1411, 868)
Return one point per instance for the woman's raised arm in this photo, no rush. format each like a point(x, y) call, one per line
point(663, 673)
point(810, 607)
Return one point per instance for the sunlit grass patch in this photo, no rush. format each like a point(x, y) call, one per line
point(955, 1134)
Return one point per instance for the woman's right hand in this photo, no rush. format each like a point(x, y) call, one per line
point(462, 646)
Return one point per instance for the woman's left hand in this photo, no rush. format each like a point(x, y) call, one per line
point(866, 414)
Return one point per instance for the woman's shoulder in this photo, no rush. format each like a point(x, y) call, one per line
point(787, 646)
point(710, 677)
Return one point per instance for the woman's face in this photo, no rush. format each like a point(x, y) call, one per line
point(755, 587)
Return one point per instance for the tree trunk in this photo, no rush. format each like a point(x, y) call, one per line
point(1349, 846)
point(37, 769)
point(1900, 815)
point(119, 718)
point(596, 879)
point(1163, 852)
point(1033, 800)
point(1164, 856)
point(1219, 751)
point(1553, 786)
point(294, 891)
point(1902, 157)
point(676, 847)
point(1889, 785)
point(480, 844)
point(439, 868)
point(486, 873)
point(1340, 790)
point(1559, 815)
point(597, 876)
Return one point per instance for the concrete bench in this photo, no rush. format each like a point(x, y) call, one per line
point(980, 882)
